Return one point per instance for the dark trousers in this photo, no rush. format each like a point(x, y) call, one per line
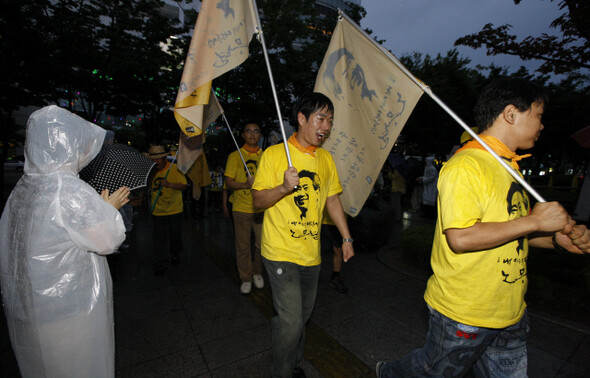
point(167, 230)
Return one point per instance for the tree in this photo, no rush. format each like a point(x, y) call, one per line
point(570, 53)
point(430, 129)
point(110, 54)
point(24, 65)
point(92, 57)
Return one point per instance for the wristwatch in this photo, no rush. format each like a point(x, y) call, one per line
point(347, 240)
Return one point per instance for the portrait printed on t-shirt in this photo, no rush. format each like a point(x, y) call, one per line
point(306, 198)
point(517, 206)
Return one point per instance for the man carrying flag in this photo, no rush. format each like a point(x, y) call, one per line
point(294, 199)
point(239, 176)
point(478, 316)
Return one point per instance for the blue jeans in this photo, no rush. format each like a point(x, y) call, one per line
point(294, 288)
point(452, 349)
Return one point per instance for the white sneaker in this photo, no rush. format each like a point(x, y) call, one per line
point(246, 287)
point(258, 281)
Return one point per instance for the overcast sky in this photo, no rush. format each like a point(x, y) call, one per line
point(432, 26)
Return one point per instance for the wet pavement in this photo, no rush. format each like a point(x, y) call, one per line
point(193, 321)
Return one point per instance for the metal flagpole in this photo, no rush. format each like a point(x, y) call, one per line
point(427, 89)
point(236, 143)
point(260, 37)
point(165, 176)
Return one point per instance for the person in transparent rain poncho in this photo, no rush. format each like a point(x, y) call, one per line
point(54, 233)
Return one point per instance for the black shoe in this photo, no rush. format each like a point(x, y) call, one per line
point(175, 260)
point(298, 373)
point(337, 284)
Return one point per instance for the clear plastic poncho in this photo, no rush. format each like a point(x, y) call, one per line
point(55, 229)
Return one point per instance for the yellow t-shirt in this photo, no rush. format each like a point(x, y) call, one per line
point(241, 199)
point(169, 200)
point(484, 288)
point(398, 183)
point(291, 227)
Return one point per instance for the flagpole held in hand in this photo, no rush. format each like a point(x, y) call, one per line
point(160, 188)
point(236, 143)
point(260, 37)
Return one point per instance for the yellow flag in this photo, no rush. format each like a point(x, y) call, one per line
point(373, 99)
point(220, 41)
point(189, 149)
point(199, 175)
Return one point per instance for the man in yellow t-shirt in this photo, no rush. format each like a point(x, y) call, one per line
point(246, 218)
point(484, 226)
point(166, 201)
point(294, 199)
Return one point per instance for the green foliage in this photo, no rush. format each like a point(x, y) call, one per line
point(416, 247)
point(569, 53)
point(24, 64)
point(430, 129)
point(105, 56)
point(24, 51)
point(91, 56)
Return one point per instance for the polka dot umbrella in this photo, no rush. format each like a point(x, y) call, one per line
point(117, 165)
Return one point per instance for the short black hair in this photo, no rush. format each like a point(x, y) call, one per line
point(309, 103)
point(250, 123)
point(503, 92)
point(315, 179)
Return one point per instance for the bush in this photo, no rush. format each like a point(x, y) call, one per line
point(559, 283)
point(416, 247)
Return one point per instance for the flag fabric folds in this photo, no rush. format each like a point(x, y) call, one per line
point(373, 99)
point(220, 42)
point(189, 149)
point(199, 175)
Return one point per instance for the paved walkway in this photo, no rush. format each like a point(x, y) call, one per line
point(193, 322)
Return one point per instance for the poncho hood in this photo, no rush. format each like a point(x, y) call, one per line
point(60, 141)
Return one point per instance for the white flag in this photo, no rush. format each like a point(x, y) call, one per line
point(373, 99)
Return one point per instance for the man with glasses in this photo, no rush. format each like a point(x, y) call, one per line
point(246, 218)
